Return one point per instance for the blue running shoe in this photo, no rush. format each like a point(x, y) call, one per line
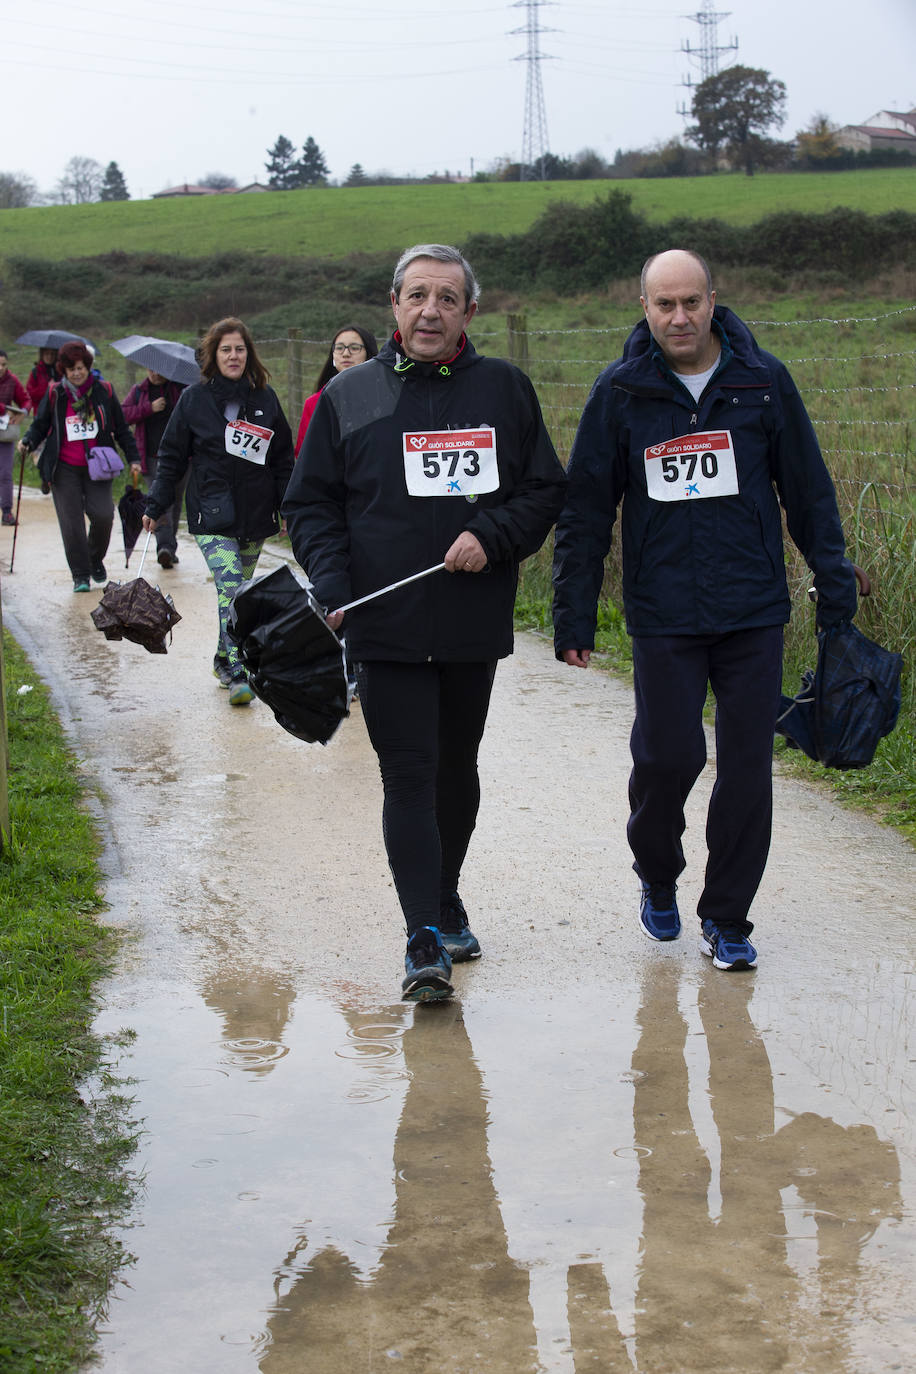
point(658, 913)
point(428, 967)
point(728, 949)
point(454, 931)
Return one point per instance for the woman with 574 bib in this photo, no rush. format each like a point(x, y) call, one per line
point(231, 431)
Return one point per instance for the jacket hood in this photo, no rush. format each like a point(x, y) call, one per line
point(641, 349)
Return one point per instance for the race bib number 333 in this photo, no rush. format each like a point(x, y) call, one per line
point(451, 462)
point(692, 466)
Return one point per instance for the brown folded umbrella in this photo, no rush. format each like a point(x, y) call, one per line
point(137, 611)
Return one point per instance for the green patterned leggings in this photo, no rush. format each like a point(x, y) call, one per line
point(231, 564)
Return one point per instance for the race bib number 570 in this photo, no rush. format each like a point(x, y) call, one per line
point(691, 467)
point(451, 462)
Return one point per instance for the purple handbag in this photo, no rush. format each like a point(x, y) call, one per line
point(104, 463)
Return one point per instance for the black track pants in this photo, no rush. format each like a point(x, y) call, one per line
point(425, 721)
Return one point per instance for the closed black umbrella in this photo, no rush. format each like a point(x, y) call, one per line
point(131, 508)
point(295, 661)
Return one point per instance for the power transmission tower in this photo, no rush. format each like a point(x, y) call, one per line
point(534, 134)
point(708, 53)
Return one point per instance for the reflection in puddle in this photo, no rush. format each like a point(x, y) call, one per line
point(345, 1188)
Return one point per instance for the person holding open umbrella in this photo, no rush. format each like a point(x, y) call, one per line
point(80, 414)
point(230, 430)
point(148, 407)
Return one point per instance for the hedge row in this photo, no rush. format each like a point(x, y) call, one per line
point(569, 249)
point(573, 248)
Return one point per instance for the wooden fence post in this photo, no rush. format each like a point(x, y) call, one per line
point(294, 396)
point(517, 332)
point(4, 753)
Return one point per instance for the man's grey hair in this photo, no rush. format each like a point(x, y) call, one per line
point(691, 254)
point(442, 252)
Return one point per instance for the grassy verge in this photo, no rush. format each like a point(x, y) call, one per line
point(62, 1159)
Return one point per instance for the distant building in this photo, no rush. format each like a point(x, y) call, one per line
point(186, 190)
point(887, 129)
point(253, 186)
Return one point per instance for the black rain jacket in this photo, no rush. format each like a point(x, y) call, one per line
point(707, 566)
point(354, 527)
point(226, 494)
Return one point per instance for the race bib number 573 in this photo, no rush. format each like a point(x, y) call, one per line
point(692, 466)
point(451, 462)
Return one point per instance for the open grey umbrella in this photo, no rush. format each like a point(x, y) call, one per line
point(53, 338)
point(176, 361)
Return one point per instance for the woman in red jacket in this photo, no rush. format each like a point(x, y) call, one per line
point(42, 375)
point(349, 346)
point(12, 398)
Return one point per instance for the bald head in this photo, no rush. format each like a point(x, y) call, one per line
point(678, 300)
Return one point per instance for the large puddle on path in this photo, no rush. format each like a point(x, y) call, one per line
point(678, 1175)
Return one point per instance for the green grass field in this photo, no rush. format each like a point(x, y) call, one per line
point(334, 222)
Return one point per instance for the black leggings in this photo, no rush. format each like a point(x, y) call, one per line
point(425, 721)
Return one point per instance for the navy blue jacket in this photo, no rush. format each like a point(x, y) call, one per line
point(354, 527)
point(707, 566)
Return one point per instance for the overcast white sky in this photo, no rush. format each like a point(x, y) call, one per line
point(171, 90)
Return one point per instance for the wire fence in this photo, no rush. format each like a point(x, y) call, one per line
point(856, 375)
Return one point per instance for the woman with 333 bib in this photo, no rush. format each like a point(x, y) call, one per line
point(78, 420)
point(231, 430)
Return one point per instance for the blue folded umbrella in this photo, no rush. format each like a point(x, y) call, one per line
point(847, 703)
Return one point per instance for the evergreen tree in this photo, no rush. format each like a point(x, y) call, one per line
point(282, 168)
point(313, 170)
point(356, 176)
point(114, 187)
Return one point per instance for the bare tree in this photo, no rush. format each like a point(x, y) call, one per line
point(81, 182)
point(219, 181)
point(16, 190)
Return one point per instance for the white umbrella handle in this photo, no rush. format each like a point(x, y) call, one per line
point(149, 535)
point(392, 587)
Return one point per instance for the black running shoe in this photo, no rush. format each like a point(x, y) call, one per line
point(99, 574)
point(456, 934)
point(428, 968)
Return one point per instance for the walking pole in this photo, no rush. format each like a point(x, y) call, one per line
point(18, 503)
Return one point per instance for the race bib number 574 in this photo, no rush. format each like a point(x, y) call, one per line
point(451, 462)
point(692, 466)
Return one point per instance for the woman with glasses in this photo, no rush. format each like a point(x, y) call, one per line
point(349, 346)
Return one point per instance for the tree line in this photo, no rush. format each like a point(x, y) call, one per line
point(735, 113)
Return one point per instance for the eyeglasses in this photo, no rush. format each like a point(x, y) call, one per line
point(350, 348)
